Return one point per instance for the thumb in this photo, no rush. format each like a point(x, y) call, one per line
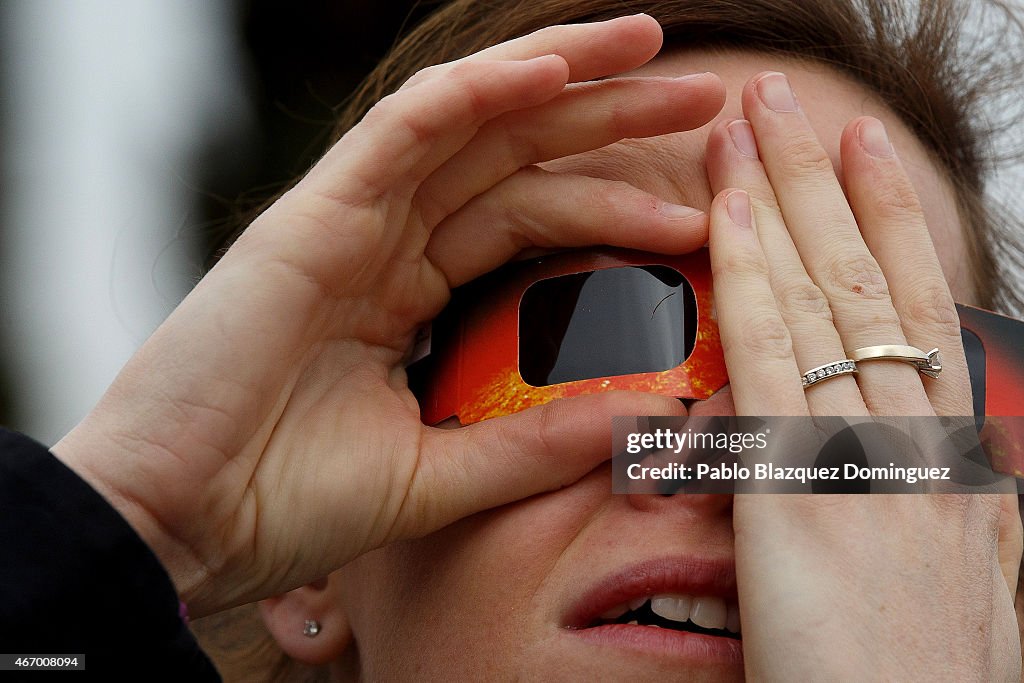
point(1011, 540)
point(498, 461)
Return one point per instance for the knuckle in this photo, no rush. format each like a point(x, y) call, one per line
point(460, 71)
point(620, 120)
point(424, 75)
point(525, 227)
point(860, 276)
point(763, 198)
point(741, 263)
point(549, 432)
point(602, 199)
point(929, 303)
point(385, 108)
point(896, 199)
point(392, 111)
point(762, 336)
point(804, 157)
point(520, 148)
point(546, 33)
point(505, 444)
point(615, 197)
point(464, 76)
point(803, 299)
point(433, 207)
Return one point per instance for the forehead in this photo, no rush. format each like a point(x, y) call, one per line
point(672, 166)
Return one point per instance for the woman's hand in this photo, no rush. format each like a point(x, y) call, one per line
point(893, 587)
point(265, 435)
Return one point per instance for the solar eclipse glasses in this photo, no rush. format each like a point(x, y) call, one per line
point(581, 322)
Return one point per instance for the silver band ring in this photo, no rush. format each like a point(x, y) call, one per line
point(926, 363)
point(847, 366)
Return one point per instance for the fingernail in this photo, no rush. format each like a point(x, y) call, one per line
point(738, 205)
point(874, 140)
point(670, 210)
point(743, 138)
point(776, 93)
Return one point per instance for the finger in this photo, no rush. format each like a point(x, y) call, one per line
point(826, 235)
point(407, 135)
point(534, 207)
point(1011, 540)
point(757, 345)
point(892, 222)
point(582, 118)
point(733, 161)
point(502, 460)
point(591, 50)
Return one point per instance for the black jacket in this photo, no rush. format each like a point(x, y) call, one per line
point(75, 579)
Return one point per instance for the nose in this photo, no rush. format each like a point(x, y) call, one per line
point(720, 404)
point(703, 504)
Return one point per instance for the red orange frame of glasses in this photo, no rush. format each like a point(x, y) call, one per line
point(474, 375)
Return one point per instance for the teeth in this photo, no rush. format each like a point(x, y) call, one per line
point(632, 623)
point(674, 607)
point(732, 619)
point(615, 612)
point(708, 612)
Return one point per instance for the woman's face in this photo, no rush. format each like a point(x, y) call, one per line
point(495, 595)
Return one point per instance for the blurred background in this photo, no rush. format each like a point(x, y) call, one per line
point(136, 134)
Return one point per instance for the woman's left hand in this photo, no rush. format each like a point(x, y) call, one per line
point(892, 587)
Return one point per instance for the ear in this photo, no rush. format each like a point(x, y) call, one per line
point(286, 616)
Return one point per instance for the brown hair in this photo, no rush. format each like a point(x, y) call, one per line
point(914, 55)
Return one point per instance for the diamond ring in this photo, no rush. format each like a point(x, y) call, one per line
point(847, 366)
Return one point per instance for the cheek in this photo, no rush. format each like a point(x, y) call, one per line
point(463, 599)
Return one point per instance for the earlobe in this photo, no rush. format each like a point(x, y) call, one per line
point(308, 623)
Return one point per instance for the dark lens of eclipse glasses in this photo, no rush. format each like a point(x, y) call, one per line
point(629, 320)
point(603, 323)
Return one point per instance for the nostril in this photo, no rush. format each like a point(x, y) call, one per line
point(670, 487)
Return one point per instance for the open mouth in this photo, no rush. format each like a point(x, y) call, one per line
point(707, 615)
point(682, 611)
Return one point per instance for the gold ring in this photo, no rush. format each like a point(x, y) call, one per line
point(926, 363)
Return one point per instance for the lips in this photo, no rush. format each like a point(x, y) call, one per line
point(676, 606)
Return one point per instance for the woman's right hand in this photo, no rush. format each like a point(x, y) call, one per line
point(265, 435)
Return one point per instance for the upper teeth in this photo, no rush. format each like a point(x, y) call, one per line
point(705, 611)
point(676, 608)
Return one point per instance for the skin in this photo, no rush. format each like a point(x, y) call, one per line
point(485, 598)
point(233, 465)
